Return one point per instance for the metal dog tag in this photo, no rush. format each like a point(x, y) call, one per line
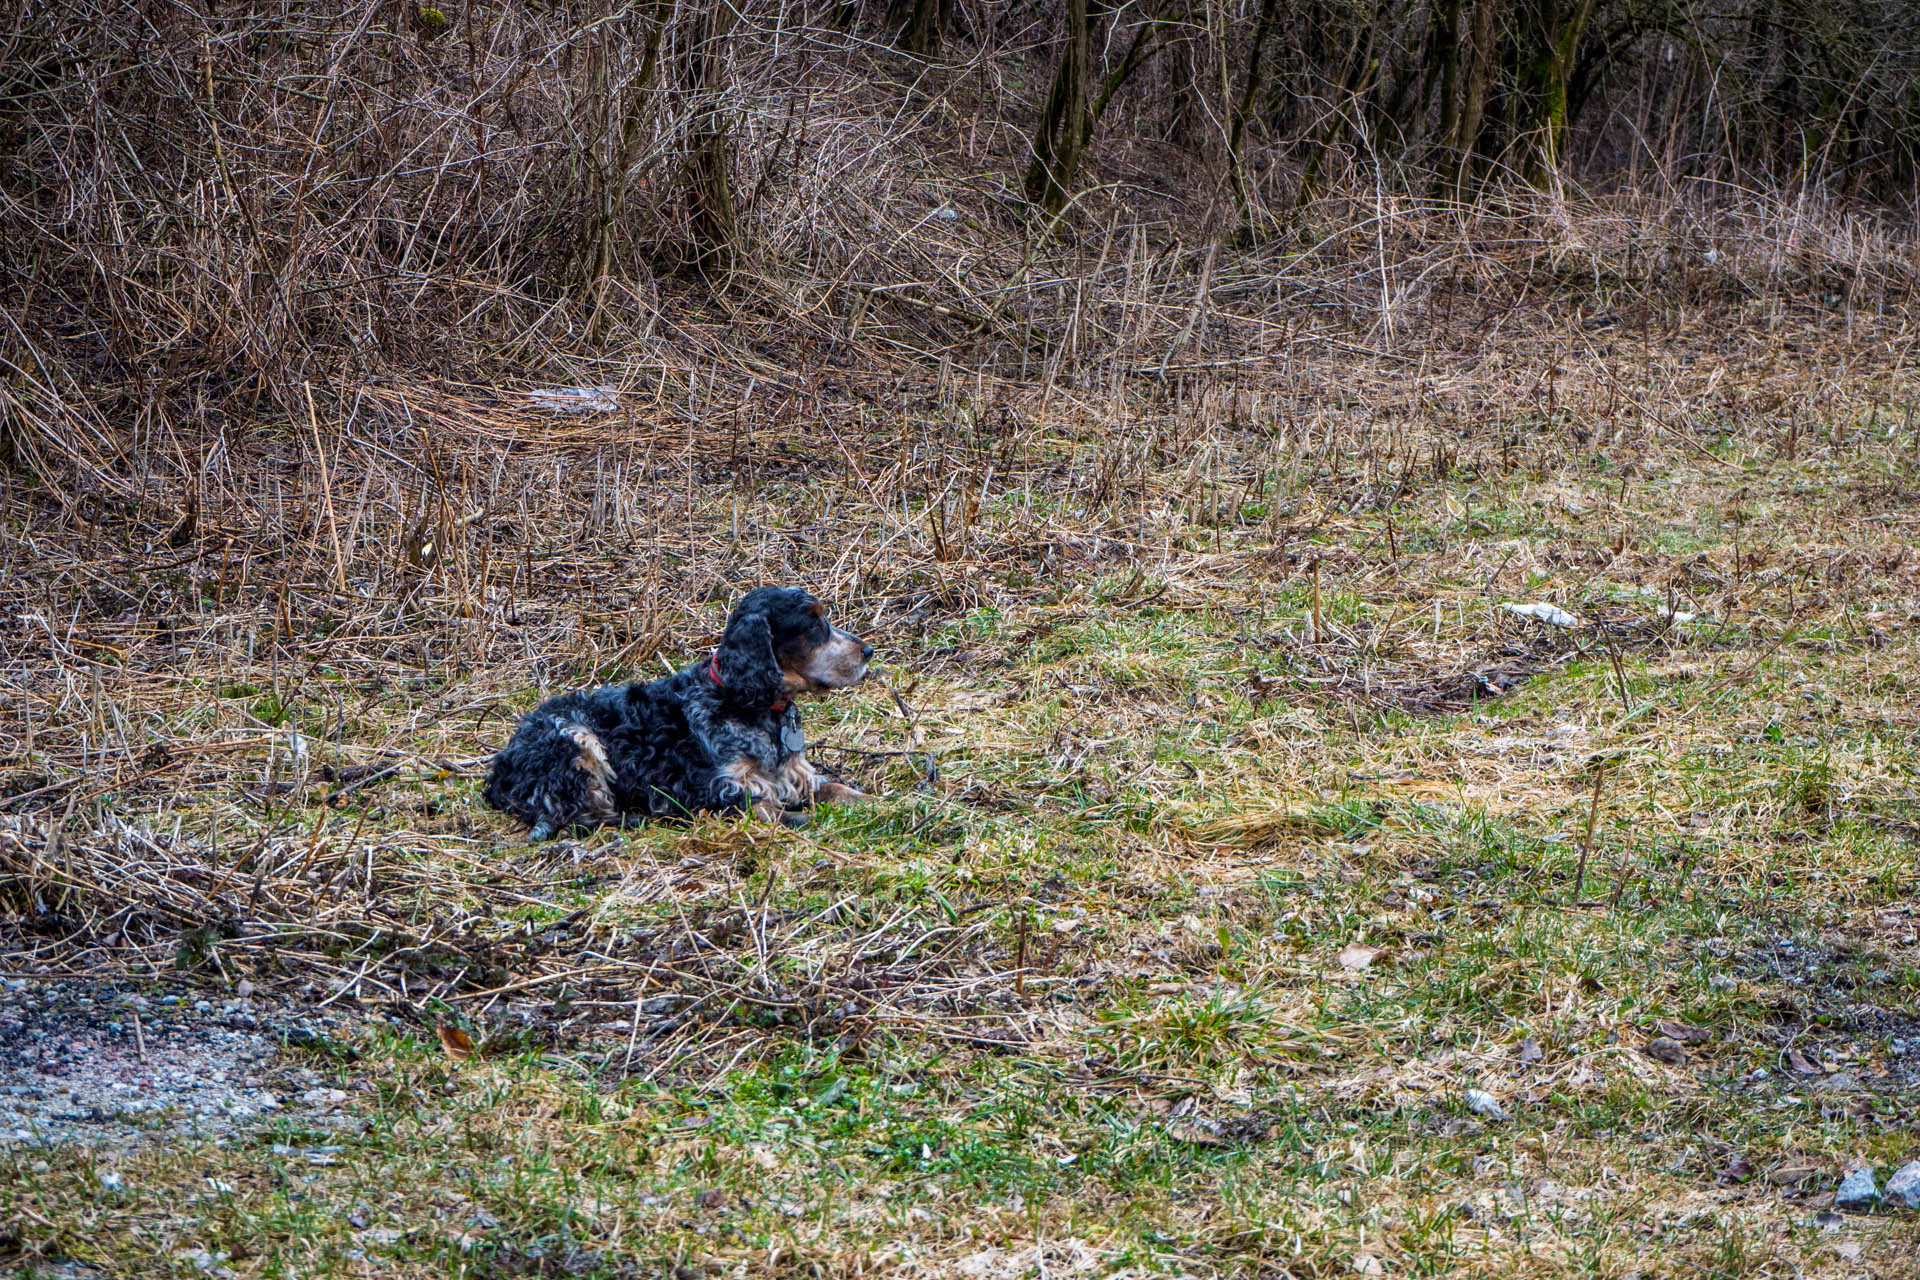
point(792, 741)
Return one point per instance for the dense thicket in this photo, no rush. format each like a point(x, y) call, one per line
point(204, 206)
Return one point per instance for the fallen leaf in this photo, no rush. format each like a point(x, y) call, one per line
point(1684, 1032)
point(1368, 1265)
point(1800, 1063)
point(457, 1043)
point(1791, 1175)
point(1530, 1050)
point(1182, 1131)
point(1666, 1049)
point(1353, 957)
point(1738, 1169)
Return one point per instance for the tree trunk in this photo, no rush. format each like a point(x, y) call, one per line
point(1136, 56)
point(1471, 81)
point(1557, 35)
point(1444, 53)
point(1065, 126)
point(1237, 125)
point(920, 23)
point(1359, 74)
point(710, 141)
point(611, 197)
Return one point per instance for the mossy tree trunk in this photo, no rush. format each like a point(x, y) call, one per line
point(1557, 31)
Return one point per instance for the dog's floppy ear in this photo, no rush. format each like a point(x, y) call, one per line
point(748, 671)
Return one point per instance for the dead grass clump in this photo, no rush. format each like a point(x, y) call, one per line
point(361, 925)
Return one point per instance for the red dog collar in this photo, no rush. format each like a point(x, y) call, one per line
point(713, 669)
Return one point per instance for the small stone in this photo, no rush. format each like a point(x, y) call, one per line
point(1480, 1102)
point(1530, 1050)
point(111, 1181)
point(1857, 1190)
point(1839, 1082)
point(1666, 1049)
point(1903, 1188)
point(243, 988)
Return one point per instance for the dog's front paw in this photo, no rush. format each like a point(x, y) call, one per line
point(796, 818)
point(837, 793)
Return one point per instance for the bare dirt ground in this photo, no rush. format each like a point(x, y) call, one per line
point(108, 1067)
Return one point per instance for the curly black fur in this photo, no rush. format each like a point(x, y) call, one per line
point(722, 735)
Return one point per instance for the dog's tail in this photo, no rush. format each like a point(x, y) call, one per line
point(554, 774)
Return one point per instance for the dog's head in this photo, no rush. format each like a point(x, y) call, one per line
point(779, 642)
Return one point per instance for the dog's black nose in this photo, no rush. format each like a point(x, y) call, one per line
point(866, 652)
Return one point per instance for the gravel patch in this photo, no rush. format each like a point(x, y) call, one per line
point(100, 1064)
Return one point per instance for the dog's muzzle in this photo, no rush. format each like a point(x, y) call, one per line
point(841, 662)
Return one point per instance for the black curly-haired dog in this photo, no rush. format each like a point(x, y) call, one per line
point(723, 735)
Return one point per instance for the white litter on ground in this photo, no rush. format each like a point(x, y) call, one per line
point(1548, 613)
point(577, 399)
